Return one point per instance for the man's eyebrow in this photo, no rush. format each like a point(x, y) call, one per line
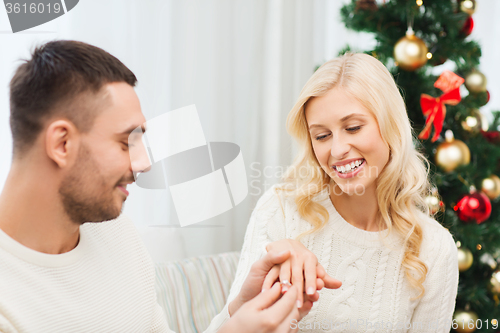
point(132, 128)
point(344, 119)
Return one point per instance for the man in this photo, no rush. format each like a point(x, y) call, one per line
point(62, 269)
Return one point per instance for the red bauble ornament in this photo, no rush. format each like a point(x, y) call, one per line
point(487, 96)
point(468, 26)
point(491, 136)
point(475, 206)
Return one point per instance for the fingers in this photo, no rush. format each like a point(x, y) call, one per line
point(287, 326)
point(330, 282)
point(298, 278)
point(320, 271)
point(285, 275)
point(271, 277)
point(282, 308)
point(304, 310)
point(319, 284)
point(266, 298)
point(270, 259)
point(313, 298)
point(310, 276)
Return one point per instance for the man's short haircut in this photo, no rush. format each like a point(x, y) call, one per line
point(51, 82)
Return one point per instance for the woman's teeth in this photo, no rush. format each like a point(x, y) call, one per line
point(347, 168)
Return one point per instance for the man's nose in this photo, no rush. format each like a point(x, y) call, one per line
point(139, 158)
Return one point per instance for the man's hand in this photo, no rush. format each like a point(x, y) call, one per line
point(266, 313)
point(301, 265)
point(254, 283)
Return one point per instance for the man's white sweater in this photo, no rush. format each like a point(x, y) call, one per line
point(105, 284)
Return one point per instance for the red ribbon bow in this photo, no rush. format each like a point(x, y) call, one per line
point(435, 111)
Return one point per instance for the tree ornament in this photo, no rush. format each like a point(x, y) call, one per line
point(494, 285)
point(465, 259)
point(366, 5)
point(492, 136)
point(468, 26)
point(433, 202)
point(491, 187)
point(475, 206)
point(475, 82)
point(434, 108)
point(468, 6)
point(410, 52)
point(452, 153)
point(487, 259)
point(475, 122)
point(465, 321)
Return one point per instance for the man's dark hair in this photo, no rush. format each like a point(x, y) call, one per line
point(51, 82)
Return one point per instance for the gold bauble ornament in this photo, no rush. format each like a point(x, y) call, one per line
point(491, 187)
point(452, 153)
point(465, 320)
point(475, 122)
point(433, 202)
point(410, 52)
point(494, 285)
point(465, 259)
point(468, 6)
point(476, 82)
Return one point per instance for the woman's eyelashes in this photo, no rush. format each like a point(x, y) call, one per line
point(350, 130)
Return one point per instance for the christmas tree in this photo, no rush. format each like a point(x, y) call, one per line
point(413, 37)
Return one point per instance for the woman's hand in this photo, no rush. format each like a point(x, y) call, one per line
point(302, 269)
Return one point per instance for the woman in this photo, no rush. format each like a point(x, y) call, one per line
point(355, 198)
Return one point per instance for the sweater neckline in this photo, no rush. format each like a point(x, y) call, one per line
point(354, 234)
point(44, 259)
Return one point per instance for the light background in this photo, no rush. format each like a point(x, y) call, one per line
point(242, 62)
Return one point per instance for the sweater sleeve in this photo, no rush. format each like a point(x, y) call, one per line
point(6, 326)
point(434, 312)
point(267, 215)
point(159, 323)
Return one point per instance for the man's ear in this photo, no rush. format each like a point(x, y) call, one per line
point(61, 142)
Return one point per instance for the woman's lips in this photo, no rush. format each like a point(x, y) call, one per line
point(350, 174)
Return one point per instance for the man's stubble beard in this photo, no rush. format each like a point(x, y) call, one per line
point(83, 202)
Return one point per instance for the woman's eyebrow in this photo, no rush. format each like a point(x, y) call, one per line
point(344, 119)
point(349, 116)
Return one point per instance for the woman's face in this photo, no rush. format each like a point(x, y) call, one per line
point(346, 141)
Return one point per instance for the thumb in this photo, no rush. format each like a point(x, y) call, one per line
point(266, 298)
point(331, 283)
point(271, 259)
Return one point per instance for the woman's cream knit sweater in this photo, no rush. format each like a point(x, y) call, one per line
point(375, 294)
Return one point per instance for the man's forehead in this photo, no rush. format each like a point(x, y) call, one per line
point(122, 111)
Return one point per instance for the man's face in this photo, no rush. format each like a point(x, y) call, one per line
point(95, 188)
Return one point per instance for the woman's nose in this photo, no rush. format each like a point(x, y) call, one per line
point(340, 148)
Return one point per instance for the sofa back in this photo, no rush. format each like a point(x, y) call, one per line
point(193, 291)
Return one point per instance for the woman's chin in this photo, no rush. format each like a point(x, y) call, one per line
point(346, 187)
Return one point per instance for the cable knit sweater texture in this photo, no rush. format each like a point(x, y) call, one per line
point(375, 294)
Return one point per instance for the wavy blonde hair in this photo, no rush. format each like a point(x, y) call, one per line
point(403, 184)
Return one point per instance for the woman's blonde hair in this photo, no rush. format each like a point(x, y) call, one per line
point(403, 184)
